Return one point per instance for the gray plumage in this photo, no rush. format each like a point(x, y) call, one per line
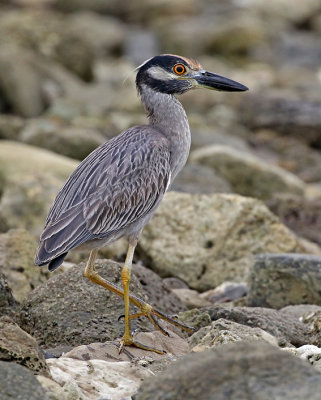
point(117, 188)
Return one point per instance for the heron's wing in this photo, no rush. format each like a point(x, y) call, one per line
point(120, 182)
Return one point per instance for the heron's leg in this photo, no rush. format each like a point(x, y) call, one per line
point(145, 309)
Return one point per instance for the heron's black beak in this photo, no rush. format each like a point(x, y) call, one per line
point(212, 81)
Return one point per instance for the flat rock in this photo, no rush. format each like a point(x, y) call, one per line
point(279, 280)
point(95, 379)
point(208, 239)
point(173, 345)
point(247, 174)
point(239, 370)
point(17, 251)
point(223, 331)
point(70, 310)
point(17, 382)
point(17, 345)
point(286, 328)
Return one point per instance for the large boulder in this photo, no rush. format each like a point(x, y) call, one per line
point(17, 252)
point(70, 310)
point(33, 178)
point(16, 345)
point(240, 370)
point(17, 382)
point(247, 174)
point(278, 280)
point(208, 239)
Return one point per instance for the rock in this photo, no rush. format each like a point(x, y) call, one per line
point(50, 34)
point(208, 239)
point(8, 304)
point(196, 178)
point(223, 331)
point(227, 291)
point(16, 345)
point(70, 310)
point(105, 34)
point(301, 215)
point(247, 174)
point(191, 298)
point(10, 126)
point(311, 354)
point(20, 82)
point(17, 252)
point(90, 380)
point(313, 321)
point(286, 328)
point(71, 142)
point(195, 318)
point(239, 370)
point(55, 392)
point(288, 116)
point(18, 382)
point(279, 280)
point(108, 351)
point(30, 187)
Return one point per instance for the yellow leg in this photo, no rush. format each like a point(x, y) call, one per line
point(145, 309)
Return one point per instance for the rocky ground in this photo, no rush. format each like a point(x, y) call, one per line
point(234, 250)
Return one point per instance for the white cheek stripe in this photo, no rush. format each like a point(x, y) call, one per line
point(160, 74)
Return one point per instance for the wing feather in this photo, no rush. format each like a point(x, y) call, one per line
point(117, 184)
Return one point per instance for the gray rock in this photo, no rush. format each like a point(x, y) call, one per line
point(19, 383)
point(208, 239)
point(247, 174)
point(30, 187)
point(74, 142)
point(286, 328)
point(223, 331)
point(300, 214)
point(196, 178)
point(10, 126)
point(288, 116)
point(240, 370)
point(278, 280)
point(17, 251)
point(20, 82)
point(227, 291)
point(50, 34)
point(8, 304)
point(70, 310)
point(16, 345)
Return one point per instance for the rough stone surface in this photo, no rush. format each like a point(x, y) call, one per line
point(235, 371)
point(30, 187)
point(69, 309)
point(17, 251)
point(16, 345)
point(208, 239)
point(98, 379)
point(227, 291)
point(8, 304)
point(223, 331)
point(247, 174)
point(286, 328)
point(279, 280)
point(18, 383)
point(191, 298)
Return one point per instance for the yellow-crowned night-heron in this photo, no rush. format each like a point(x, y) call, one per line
point(115, 191)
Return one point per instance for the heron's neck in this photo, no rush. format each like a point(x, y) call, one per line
point(167, 114)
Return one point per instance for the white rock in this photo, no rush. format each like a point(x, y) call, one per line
point(95, 379)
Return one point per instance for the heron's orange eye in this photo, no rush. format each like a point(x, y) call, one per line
point(179, 69)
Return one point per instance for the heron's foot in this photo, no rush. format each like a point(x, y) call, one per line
point(128, 340)
point(152, 314)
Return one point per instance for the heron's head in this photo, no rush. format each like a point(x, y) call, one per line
point(173, 74)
